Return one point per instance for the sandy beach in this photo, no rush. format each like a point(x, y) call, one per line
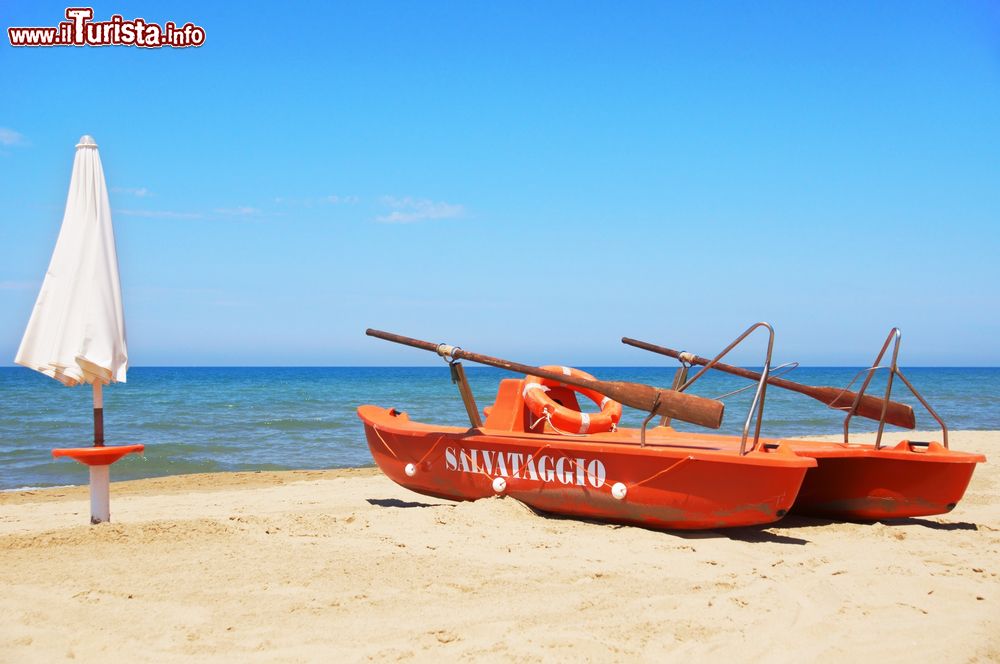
point(345, 565)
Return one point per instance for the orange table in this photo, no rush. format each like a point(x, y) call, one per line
point(99, 458)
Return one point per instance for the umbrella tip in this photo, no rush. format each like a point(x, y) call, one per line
point(87, 141)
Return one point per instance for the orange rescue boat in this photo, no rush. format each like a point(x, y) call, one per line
point(673, 481)
point(596, 471)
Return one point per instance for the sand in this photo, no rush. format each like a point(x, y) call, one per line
point(347, 566)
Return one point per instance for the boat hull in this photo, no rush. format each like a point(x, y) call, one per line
point(673, 487)
point(858, 482)
point(855, 482)
point(679, 480)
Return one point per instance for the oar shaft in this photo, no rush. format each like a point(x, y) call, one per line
point(686, 407)
point(898, 414)
point(461, 354)
point(98, 413)
point(691, 358)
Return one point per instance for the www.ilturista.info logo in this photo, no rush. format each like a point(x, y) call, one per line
point(81, 30)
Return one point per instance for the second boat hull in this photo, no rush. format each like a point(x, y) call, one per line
point(858, 482)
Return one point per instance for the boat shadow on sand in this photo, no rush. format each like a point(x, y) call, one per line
point(404, 504)
point(763, 534)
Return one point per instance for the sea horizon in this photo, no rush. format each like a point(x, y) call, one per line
point(240, 418)
point(479, 366)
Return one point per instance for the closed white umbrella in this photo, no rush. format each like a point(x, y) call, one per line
point(76, 333)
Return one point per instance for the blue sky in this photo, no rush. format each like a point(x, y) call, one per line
point(531, 180)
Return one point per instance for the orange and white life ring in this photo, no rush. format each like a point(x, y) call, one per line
point(541, 405)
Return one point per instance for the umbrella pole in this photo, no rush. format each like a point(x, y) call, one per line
point(100, 494)
point(98, 414)
point(100, 476)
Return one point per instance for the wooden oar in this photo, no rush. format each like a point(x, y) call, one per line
point(896, 413)
point(687, 407)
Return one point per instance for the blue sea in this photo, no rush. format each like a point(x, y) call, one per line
point(195, 420)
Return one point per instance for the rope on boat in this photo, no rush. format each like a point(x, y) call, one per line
point(547, 416)
point(574, 463)
point(536, 452)
point(433, 447)
point(375, 429)
point(563, 455)
point(609, 482)
point(664, 471)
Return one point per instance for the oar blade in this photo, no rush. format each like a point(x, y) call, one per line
point(678, 405)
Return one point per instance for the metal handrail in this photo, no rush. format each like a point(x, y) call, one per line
point(757, 405)
point(776, 372)
point(895, 338)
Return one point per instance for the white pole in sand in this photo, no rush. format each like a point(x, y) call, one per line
point(100, 494)
point(100, 476)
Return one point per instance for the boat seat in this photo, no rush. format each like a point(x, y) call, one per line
point(508, 412)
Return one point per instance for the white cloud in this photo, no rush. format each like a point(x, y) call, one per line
point(239, 211)
point(160, 214)
point(312, 201)
point(409, 210)
point(10, 137)
point(18, 285)
point(138, 192)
